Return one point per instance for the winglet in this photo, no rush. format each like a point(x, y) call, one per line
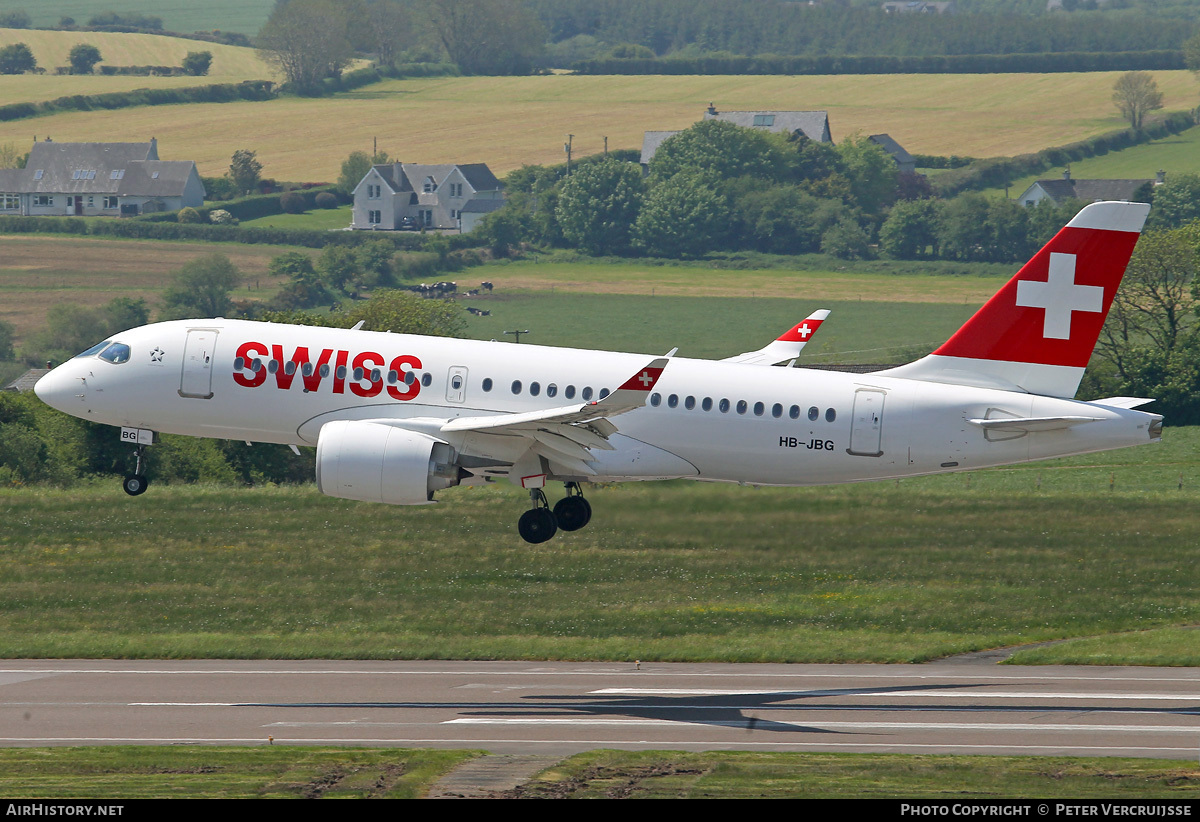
point(646, 378)
point(787, 346)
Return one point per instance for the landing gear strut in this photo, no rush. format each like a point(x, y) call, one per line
point(572, 511)
point(137, 482)
point(538, 524)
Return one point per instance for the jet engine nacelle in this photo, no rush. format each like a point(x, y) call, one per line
point(371, 462)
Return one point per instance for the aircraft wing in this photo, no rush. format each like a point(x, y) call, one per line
point(788, 346)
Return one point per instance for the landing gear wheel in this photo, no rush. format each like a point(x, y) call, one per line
point(537, 525)
point(135, 484)
point(572, 513)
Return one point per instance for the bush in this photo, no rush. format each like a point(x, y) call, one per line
point(220, 216)
point(326, 200)
point(293, 202)
point(188, 215)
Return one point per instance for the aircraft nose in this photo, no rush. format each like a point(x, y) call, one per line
point(58, 390)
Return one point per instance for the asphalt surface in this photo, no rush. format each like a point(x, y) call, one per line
point(563, 708)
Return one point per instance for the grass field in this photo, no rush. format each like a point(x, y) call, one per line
point(38, 272)
point(230, 64)
point(268, 772)
point(509, 121)
point(185, 16)
point(340, 773)
point(902, 571)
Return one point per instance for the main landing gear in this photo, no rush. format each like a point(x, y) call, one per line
point(137, 482)
point(540, 523)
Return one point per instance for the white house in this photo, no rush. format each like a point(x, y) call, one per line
point(396, 196)
point(1087, 191)
point(98, 179)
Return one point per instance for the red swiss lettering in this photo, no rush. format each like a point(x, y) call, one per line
point(410, 390)
point(365, 361)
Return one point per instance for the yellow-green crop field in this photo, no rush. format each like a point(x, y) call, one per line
point(230, 64)
point(510, 121)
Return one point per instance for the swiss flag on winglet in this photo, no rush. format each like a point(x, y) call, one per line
point(1052, 311)
point(802, 332)
point(643, 380)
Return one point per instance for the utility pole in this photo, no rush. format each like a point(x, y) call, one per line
point(567, 148)
point(517, 334)
point(606, 145)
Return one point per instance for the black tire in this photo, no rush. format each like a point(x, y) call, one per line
point(537, 525)
point(572, 513)
point(135, 484)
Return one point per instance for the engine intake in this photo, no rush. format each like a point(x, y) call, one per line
point(371, 462)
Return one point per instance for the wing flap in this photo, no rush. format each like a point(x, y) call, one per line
point(1031, 423)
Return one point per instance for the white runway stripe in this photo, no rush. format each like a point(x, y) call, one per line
point(922, 694)
point(1191, 730)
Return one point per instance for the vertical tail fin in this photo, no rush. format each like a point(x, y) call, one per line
point(1036, 334)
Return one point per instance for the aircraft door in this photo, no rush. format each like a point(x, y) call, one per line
point(196, 380)
point(866, 432)
point(456, 384)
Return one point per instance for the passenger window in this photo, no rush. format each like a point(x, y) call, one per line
point(830, 415)
point(587, 392)
point(673, 401)
point(723, 405)
point(551, 390)
point(742, 406)
point(758, 409)
point(273, 366)
point(604, 392)
point(393, 378)
point(813, 413)
point(570, 392)
point(426, 379)
point(487, 384)
point(689, 403)
point(794, 412)
point(516, 387)
point(534, 389)
point(410, 377)
point(776, 410)
point(656, 399)
point(707, 404)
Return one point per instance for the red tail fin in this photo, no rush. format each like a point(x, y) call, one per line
point(1037, 333)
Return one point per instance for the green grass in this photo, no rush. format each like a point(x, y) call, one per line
point(883, 572)
point(712, 327)
point(317, 219)
point(744, 775)
point(267, 772)
point(185, 16)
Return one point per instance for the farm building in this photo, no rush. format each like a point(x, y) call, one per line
point(396, 196)
point(98, 179)
point(1088, 191)
point(813, 124)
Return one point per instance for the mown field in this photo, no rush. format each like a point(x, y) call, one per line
point(338, 773)
point(509, 121)
point(231, 64)
point(1095, 548)
point(185, 16)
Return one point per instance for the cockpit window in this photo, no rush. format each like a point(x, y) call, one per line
point(95, 349)
point(116, 353)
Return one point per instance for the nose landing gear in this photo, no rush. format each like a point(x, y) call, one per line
point(136, 483)
point(540, 523)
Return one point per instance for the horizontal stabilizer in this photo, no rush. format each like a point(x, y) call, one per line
point(1032, 423)
point(1124, 402)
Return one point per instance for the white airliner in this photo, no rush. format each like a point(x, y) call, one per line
point(397, 417)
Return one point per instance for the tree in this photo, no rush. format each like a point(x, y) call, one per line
point(718, 147)
point(355, 167)
point(18, 19)
point(338, 267)
point(83, 58)
point(7, 333)
point(872, 173)
point(10, 157)
point(1136, 94)
point(304, 288)
point(684, 216)
point(244, 170)
point(403, 312)
point(488, 36)
point(1176, 201)
point(847, 240)
point(910, 230)
point(598, 205)
point(201, 288)
point(308, 41)
point(17, 59)
point(197, 63)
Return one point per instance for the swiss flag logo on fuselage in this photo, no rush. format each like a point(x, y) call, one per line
point(1052, 311)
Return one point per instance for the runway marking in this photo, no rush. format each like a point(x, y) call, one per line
point(835, 725)
point(924, 694)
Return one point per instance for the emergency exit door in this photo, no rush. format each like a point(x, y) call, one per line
point(196, 381)
point(866, 435)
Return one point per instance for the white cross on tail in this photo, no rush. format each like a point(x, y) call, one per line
point(1060, 296)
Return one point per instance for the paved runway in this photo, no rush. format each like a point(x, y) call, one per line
point(562, 708)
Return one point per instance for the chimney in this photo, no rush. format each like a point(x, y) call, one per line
point(1160, 177)
point(1067, 173)
point(712, 110)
